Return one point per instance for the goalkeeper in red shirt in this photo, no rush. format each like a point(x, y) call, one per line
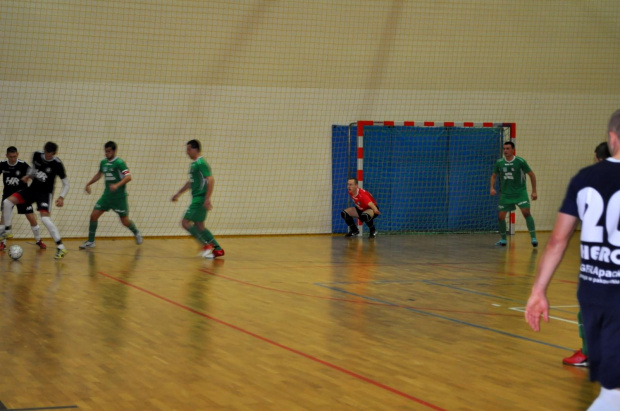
point(365, 210)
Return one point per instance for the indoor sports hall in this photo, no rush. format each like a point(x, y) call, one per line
point(290, 99)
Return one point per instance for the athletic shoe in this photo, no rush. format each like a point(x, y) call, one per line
point(208, 251)
point(87, 244)
point(534, 242)
point(372, 233)
point(2, 246)
point(61, 253)
point(138, 239)
point(352, 233)
point(578, 359)
point(41, 245)
point(501, 243)
point(218, 253)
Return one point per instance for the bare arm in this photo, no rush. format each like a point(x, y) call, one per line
point(538, 304)
point(92, 181)
point(121, 183)
point(533, 181)
point(493, 178)
point(181, 191)
point(210, 186)
point(374, 208)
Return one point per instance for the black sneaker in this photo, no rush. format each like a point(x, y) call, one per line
point(372, 233)
point(352, 233)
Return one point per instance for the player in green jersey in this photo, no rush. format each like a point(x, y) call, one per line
point(114, 196)
point(511, 171)
point(201, 183)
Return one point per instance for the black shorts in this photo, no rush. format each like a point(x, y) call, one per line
point(28, 196)
point(359, 214)
point(21, 208)
point(602, 327)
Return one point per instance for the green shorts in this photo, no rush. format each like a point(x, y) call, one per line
point(118, 204)
point(196, 211)
point(508, 202)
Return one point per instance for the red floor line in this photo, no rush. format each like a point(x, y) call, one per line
point(277, 344)
point(364, 302)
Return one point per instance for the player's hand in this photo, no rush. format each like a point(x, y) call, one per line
point(60, 202)
point(537, 305)
point(534, 196)
point(174, 198)
point(87, 189)
point(113, 187)
point(208, 205)
point(493, 192)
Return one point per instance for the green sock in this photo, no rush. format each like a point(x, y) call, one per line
point(193, 230)
point(92, 230)
point(133, 227)
point(531, 226)
point(502, 228)
point(207, 238)
point(582, 334)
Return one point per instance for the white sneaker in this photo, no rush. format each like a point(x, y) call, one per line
point(138, 238)
point(87, 244)
point(208, 252)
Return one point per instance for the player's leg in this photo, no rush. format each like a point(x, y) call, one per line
point(367, 216)
point(579, 357)
point(529, 221)
point(122, 209)
point(212, 248)
point(92, 226)
point(44, 207)
point(602, 326)
point(501, 223)
point(347, 215)
point(7, 213)
point(27, 210)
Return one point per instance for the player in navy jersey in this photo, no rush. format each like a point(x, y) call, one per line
point(593, 196)
point(13, 169)
point(365, 209)
point(44, 169)
point(580, 357)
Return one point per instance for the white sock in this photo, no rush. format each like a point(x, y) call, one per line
point(8, 212)
point(607, 400)
point(37, 232)
point(47, 222)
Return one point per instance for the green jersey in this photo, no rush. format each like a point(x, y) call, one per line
point(114, 171)
point(512, 175)
point(198, 171)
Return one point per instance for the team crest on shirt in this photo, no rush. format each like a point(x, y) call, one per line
point(48, 170)
point(17, 173)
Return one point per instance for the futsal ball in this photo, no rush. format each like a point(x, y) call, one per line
point(15, 252)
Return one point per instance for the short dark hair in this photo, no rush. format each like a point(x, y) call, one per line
point(602, 151)
point(50, 147)
point(11, 149)
point(110, 144)
point(194, 144)
point(614, 123)
point(354, 179)
point(510, 143)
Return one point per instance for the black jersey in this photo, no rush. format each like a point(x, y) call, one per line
point(12, 176)
point(44, 172)
point(593, 196)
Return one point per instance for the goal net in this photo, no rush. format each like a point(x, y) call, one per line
point(426, 177)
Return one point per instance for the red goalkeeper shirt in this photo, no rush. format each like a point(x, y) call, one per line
point(362, 199)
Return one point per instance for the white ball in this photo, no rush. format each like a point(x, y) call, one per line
point(15, 252)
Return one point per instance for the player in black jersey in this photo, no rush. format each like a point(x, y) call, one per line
point(13, 170)
point(44, 169)
point(593, 196)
